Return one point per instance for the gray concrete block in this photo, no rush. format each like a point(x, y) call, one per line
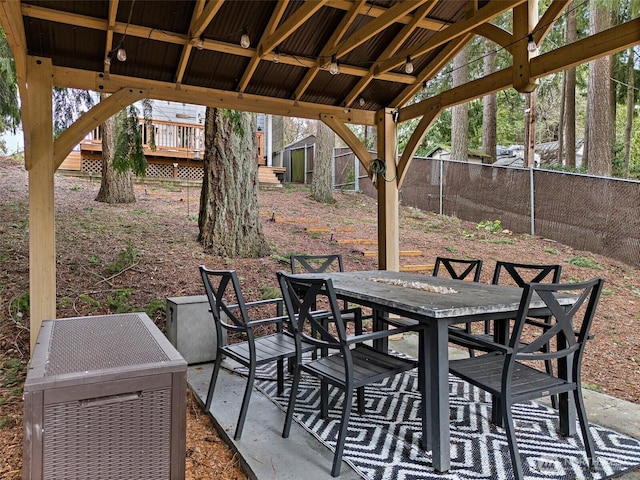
point(190, 328)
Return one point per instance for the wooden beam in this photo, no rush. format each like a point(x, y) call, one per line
point(601, 44)
point(13, 27)
point(548, 19)
point(595, 46)
point(414, 141)
point(428, 72)
point(39, 154)
point(496, 34)
point(291, 24)
point(393, 47)
point(388, 195)
point(375, 26)
point(350, 139)
point(73, 78)
point(205, 13)
point(477, 88)
point(336, 36)
point(461, 27)
point(375, 11)
point(189, 42)
point(525, 17)
point(108, 44)
point(91, 119)
point(276, 16)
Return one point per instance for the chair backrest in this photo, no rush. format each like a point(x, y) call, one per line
point(223, 292)
point(301, 294)
point(458, 269)
point(509, 273)
point(568, 324)
point(316, 263)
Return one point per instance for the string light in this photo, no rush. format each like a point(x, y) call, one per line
point(276, 56)
point(361, 102)
point(408, 67)
point(121, 53)
point(531, 44)
point(334, 69)
point(200, 43)
point(244, 39)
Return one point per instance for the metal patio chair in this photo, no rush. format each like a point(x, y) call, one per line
point(348, 364)
point(509, 372)
point(222, 286)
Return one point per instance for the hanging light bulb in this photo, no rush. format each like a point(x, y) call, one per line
point(107, 59)
point(276, 56)
point(121, 53)
point(244, 39)
point(361, 102)
point(531, 44)
point(334, 69)
point(408, 67)
point(200, 43)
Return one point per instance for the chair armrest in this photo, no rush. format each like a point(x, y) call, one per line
point(471, 339)
point(351, 339)
point(267, 321)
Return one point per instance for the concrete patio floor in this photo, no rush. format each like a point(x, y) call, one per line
point(265, 455)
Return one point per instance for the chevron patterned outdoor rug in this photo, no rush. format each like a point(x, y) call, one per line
point(383, 443)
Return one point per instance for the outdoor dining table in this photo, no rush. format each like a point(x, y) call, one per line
point(436, 303)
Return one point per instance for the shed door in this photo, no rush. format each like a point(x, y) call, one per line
point(297, 165)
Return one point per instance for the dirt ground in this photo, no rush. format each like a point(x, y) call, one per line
point(131, 257)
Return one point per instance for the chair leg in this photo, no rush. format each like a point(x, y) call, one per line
point(324, 399)
point(292, 401)
point(245, 402)
point(584, 426)
point(361, 406)
point(280, 376)
point(342, 435)
point(212, 383)
point(516, 462)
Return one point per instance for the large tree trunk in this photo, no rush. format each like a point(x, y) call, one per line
point(229, 217)
point(598, 99)
point(115, 186)
point(489, 110)
point(321, 181)
point(460, 113)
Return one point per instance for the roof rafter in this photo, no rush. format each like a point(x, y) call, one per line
point(432, 69)
point(549, 17)
point(380, 23)
point(375, 11)
point(196, 18)
point(390, 50)
point(111, 22)
point(336, 36)
point(276, 16)
point(459, 28)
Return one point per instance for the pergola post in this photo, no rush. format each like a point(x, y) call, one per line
point(40, 165)
point(388, 196)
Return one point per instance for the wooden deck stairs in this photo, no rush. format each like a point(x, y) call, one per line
point(268, 176)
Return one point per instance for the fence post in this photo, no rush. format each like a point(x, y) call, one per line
point(441, 184)
point(532, 201)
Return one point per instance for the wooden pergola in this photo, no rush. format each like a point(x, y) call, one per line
point(193, 51)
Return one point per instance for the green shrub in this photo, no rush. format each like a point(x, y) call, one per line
point(126, 258)
point(584, 262)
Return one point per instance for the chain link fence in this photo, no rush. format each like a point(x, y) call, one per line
point(596, 214)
